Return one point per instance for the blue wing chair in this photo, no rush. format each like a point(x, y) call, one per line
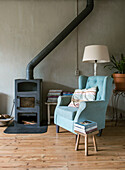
point(65, 116)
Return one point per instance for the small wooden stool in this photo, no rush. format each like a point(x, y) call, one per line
point(86, 140)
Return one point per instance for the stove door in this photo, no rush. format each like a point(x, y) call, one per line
point(27, 102)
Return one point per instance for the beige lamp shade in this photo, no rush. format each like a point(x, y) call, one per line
point(96, 53)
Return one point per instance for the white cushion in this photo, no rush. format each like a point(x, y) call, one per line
point(83, 95)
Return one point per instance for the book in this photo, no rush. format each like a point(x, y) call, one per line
point(86, 126)
point(55, 91)
point(86, 132)
point(76, 127)
point(52, 100)
point(53, 94)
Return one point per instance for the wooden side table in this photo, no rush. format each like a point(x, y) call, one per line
point(86, 141)
point(49, 110)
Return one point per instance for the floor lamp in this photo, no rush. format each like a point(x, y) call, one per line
point(96, 54)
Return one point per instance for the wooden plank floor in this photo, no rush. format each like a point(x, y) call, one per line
point(57, 151)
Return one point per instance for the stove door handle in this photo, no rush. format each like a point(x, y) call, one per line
point(18, 101)
point(37, 102)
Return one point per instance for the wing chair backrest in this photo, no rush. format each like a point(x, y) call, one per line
point(103, 83)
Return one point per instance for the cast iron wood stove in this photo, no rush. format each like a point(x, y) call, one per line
point(28, 105)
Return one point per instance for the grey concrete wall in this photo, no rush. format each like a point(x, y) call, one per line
point(27, 26)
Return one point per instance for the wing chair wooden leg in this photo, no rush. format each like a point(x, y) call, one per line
point(57, 129)
point(100, 132)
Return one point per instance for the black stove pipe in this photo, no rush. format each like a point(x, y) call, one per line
point(35, 61)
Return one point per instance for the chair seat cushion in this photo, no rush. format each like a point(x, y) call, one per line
point(67, 112)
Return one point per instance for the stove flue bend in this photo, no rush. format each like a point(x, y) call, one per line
point(28, 107)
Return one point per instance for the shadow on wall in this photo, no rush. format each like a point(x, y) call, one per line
point(53, 86)
point(3, 103)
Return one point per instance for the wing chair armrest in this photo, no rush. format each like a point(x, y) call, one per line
point(63, 100)
point(91, 110)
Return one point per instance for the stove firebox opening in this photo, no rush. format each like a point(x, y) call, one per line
point(27, 118)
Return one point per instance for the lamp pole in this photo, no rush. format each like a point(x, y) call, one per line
point(95, 67)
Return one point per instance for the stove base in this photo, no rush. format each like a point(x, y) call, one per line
point(16, 128)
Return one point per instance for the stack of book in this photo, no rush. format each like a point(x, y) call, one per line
point(85, 127)
point(53, 95)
